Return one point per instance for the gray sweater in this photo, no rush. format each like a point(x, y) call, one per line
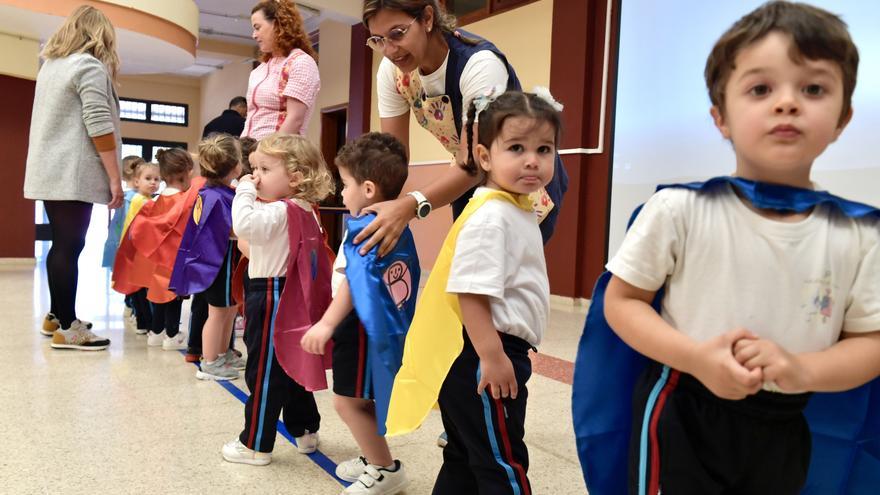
point(74, 101)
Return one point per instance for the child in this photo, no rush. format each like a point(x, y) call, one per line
point(208, 253)
point(175, 166)
point(114, 234)
point(491, 278)
point(744, 332)
point(145, 183)
point(289, 175)
point(372, 309)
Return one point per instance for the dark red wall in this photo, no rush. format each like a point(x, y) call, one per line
point(16, 213)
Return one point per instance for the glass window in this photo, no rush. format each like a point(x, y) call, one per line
point(133, 110)
point(132, 149)
point(168, 114)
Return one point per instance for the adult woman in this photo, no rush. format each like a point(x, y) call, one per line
point(433, 71)
point(282, 90)
point(73, 157)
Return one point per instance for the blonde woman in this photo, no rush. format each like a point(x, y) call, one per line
point(283, 89)
point(73, 157)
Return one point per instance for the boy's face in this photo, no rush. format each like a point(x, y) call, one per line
point(356, 196)
point(780, 115)
point(273, 180)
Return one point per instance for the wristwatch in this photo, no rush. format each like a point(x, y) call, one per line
point(423, 206)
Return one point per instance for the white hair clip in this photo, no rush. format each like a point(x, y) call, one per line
point(543, 93)
point(482, 101)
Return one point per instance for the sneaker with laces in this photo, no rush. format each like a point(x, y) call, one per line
point(78, 336)
point(217, 370)
point(176, 343)
point(51, 323)
point(235, 361)
point(377, 480)
point(155, 339)
point(236, 452)
point(351, 469)
point(307, 443)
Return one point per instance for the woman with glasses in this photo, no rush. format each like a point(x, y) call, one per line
point(283, 89)
point(434, 71)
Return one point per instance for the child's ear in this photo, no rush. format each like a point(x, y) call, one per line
point(370, 189)
point(481, 153)
point(295, 179)
point(843, 123)
point(720, 123)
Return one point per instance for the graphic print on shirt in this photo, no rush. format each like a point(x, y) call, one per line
point(820, 294)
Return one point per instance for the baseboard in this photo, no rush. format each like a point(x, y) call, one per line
point(18, 261)
point(569, 303)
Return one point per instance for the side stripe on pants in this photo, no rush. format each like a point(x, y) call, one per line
point(648, 437)
point(502, 431)
point(265, 364)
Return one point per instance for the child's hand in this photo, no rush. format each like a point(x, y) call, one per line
point(249, 178)
point(717, 368)
point(496, 373)
point(778, 366)
point(315, 340)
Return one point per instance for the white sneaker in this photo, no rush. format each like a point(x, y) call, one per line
point(351, 469)
point(79, 337)
point(217, 370)
point(379, 481)
point(235, 361)
point(139, 331)
point(155, 339)
point(176, 343)
point(307, 443)
point(235, 451)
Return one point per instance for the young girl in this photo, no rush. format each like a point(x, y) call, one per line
point(146, 183)
point(492, 279)
point(208, 253)
point(272, 215)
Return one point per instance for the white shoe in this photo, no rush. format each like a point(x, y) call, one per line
point(155, 339)
point(307, 443)
point(176, 343)
point(140, 331)
point(235, 451)
point(79, 337)
point(351, 469)
point(379, 481)
point(217, 370)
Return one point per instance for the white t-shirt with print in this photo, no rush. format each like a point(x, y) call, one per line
point(499, 253)
point(482, 71)
point(724, 266)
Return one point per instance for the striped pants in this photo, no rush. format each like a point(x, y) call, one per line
point(486, 453)
point(272, 391)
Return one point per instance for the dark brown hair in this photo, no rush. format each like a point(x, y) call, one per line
point(507, 105)
point(288, 27)
point(816, 35)
point(129, 165)
point(378, 157)
point(443, 22)
point(248, 146)
point(219, 154)
point(174, 164)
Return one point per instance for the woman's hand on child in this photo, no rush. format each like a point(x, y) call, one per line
point(777, 365)
point(496, 374)
point(315, 340)
point(391, 218)
point(715, 365)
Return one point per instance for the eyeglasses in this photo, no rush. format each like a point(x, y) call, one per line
point(395, 36)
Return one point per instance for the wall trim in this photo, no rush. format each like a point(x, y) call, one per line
point(18, 262)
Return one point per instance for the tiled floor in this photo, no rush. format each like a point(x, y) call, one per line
point(135, 420)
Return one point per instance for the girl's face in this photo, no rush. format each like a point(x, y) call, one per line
point(273, 182)
point(264, 32)
point(520, 159)
point(147, 181)
point(405, 38)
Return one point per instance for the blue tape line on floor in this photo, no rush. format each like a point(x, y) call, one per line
point(317, 456)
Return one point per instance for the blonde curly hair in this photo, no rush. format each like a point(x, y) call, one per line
point(86, 30)
point(299, 155)
point(288, 27)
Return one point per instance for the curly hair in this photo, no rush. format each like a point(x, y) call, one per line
point(300, 155)
point(378, 157)
point(219, 155)
point(288, 26)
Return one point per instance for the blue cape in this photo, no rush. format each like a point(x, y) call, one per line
point(114, 230)
point(204, 242)
point(384, 292)
point(845, 426)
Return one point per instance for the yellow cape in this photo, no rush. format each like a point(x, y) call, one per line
point(434, 339)
point(137, 202)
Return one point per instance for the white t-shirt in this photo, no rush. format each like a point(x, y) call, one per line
point(339, 265)
point(482, 71)
point(499, 253)
point(264, 227)
point(725, 266)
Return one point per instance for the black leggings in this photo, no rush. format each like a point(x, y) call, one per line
point(69, 221)
point(166, 316)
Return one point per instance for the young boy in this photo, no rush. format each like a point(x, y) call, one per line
point(762, 305)
point(366, 322)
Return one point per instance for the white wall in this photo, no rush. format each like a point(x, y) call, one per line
point(221, 86)
point(663, 130)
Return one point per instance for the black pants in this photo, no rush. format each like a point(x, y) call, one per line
point(166, 316)
point(486, 454)
point(143, 309)
point(272, 391)
point(69, 222)
point(686, 440)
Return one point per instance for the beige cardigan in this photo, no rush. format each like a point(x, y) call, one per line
point(74, 101)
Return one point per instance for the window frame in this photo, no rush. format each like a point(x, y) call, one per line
point(149, 113)
point(491, 8)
